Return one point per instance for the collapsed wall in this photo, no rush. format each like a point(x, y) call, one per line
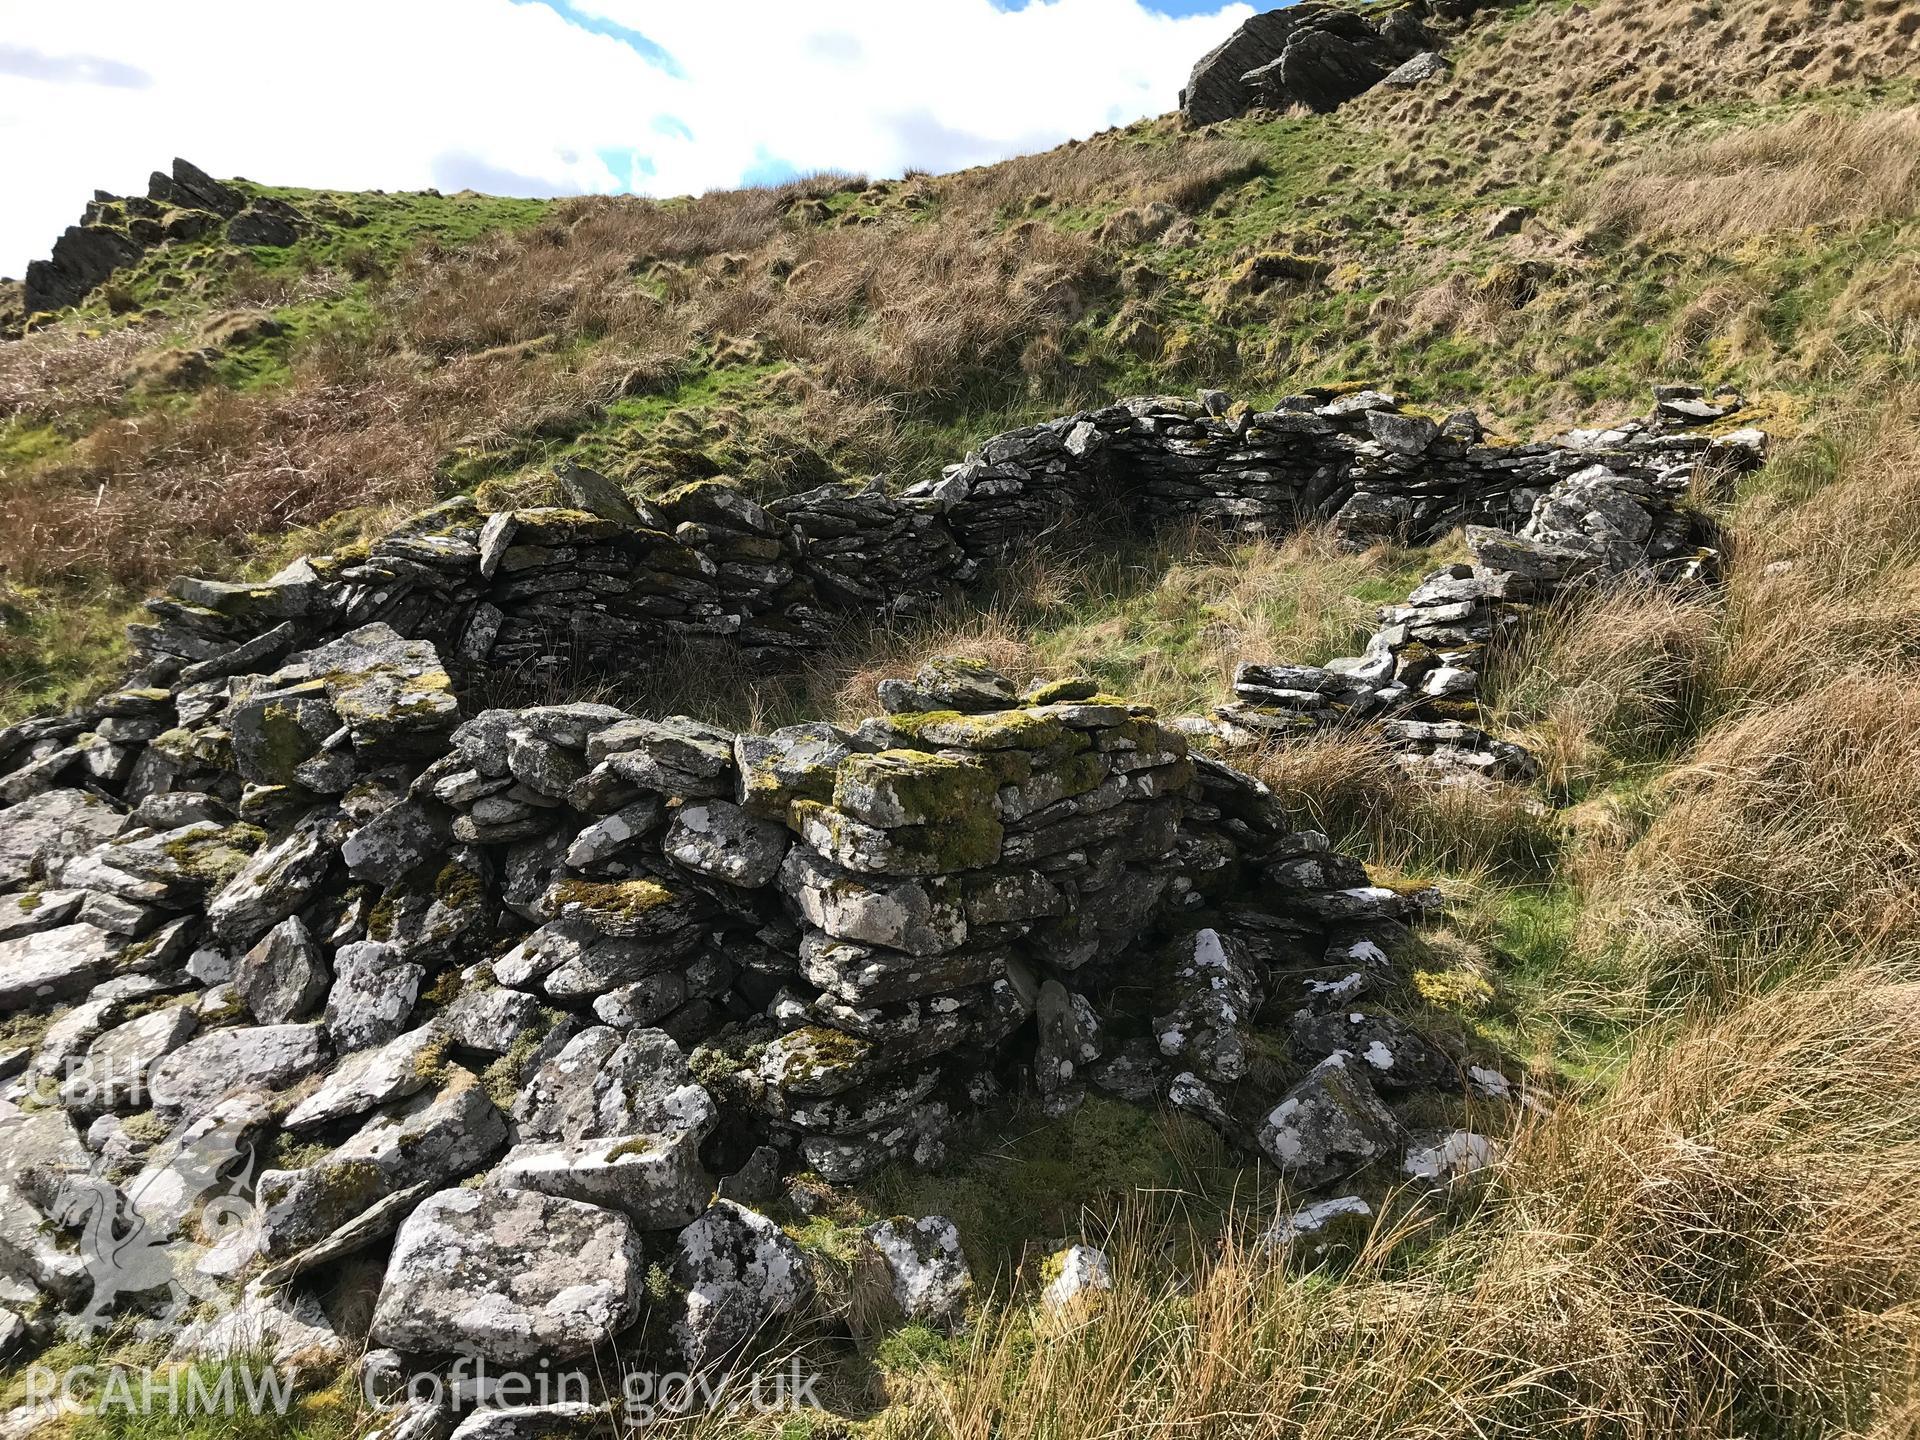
point(474, 975)
point(610, 581)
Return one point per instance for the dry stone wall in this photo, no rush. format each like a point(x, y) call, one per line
point(493, 990)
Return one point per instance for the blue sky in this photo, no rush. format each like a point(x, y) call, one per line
point(554, 97)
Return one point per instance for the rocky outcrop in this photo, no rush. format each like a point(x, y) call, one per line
point(117, 230)
point(1317, 55)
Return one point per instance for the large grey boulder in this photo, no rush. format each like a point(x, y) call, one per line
point(210, 1067)
point(82, 257)
point(741, 1273)
point(491, 1019)
point(1328, 1126)
point(51, 965)
point(396, 842)
point(511, 1276)
point(201, 1162)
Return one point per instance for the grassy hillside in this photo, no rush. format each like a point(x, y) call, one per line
point(1696, 932)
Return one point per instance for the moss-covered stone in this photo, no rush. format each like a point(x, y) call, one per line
point(991, 730)
point(628, 908)
point(911, 787)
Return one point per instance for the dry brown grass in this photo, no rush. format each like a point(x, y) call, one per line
point(1816, 168)
point(152, 492)
point(1349, 786)
point(1599, 683)
point(57, 372)
point(1786, 824)
point(1726, 1245)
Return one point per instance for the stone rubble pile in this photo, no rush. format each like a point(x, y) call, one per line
point(1619, 520)
point(500, 992)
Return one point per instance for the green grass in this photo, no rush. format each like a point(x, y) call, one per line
point(108, 1384)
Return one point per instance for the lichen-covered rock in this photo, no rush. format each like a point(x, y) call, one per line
point(370, 1078)
point(284, 977)
point(44, 831)
point(1396, 1056)
point(675, 756)
point(395, 842)
point(50, 965)
point(797, 762)
point(604, 1085)
point(200, 1163)
point(656, 1180)
point(39, 1152)
point(917, 917)
point(720, 840)
point(625, 909)
point(606, 838)
point(1328, 1126)
point(1451, 1155)
point(432, 1138)
point(1217, 996)
point(913, 1270)
point(510, 1276)
point(491, 1019)
point(741, 1274)
point(276, 880)
point(1077, 1279)
point(1322, 1224)
point(529, 1422)
point(372, 996)
point(390, 692)
point(210, 1067)
point(1069, 1038)
point(113, 1076)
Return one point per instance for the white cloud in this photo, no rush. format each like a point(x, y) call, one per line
point(516, 98)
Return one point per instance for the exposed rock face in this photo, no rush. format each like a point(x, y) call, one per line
point(1311, 54)
point(116, 231)
point(83, 256)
